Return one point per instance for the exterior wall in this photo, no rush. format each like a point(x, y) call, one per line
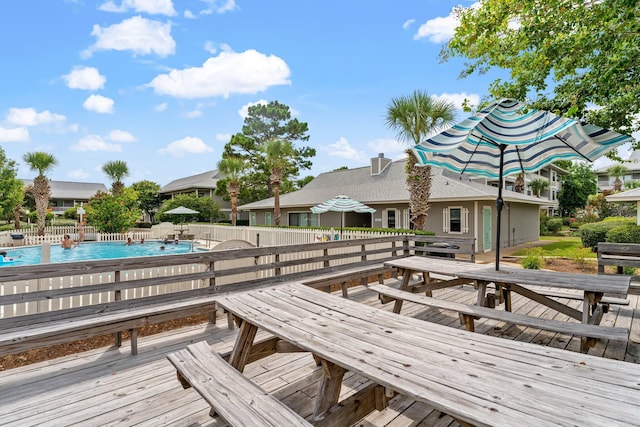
point(520, 221)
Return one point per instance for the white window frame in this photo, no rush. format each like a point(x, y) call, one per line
point(464, 220)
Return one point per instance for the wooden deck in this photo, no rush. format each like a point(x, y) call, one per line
point(112, 387)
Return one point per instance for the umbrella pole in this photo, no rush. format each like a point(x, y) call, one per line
point(499, 204)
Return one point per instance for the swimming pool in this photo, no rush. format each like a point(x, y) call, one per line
point(92, 251)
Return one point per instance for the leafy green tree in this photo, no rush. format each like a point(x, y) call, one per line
point(415, 117)
point(304, 181)
point(42, 163)
point(278, 152)
point(233, 168)
point(11, 189)
point(148, 197)
point(616, 171)
point(113, 212)
point(587, 50)
point(208, 209)
point(538, 186)
point(116, 170)
point(262, 124)
point(577, 185)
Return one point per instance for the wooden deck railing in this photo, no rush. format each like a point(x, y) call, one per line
point(48, 287)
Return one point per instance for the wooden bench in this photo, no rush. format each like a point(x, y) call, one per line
point(469, 313)
point(233, 396)
point(620, 255)
point(460, 248)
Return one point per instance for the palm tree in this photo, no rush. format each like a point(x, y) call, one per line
point(414, 118)
point(617, 171)
point(519, 185)
point(116, 170)
point(278, 152)
point(40, 162)
point(538, 186)
point(233, 168)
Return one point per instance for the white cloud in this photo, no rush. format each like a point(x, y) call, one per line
point(161, 107)
point(244, 110)
point(98, 104)
point(193, 114)
point(228, 73)
point(118, 135)
point(223, 137)
point(408, 23)
point(152, 7)
point(95, 143)
point(210, 47)
point(342, 148)
point(30, 117)
point(78, 174)
point(458, 98)
point(138, 35)
point(189, 15)
point(440, 29)
point(86, 78)
point(14, 135)
point(218, 6)
point(189, 144)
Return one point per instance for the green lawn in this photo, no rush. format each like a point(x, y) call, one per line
point(559, 246)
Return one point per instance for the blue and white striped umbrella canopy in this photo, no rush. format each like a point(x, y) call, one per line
point(342, 203)
point(531, 140)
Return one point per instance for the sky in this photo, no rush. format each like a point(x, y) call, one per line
point(163, 85)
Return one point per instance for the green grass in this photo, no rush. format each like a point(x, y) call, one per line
point(559, 246)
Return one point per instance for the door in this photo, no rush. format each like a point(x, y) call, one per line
point(486, 228)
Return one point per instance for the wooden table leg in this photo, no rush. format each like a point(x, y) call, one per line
point(482, 290)
point(329, 391)
point(406, 278)
point(242, 347)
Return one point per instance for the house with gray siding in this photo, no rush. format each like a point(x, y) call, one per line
point(67, 194)
point(458, 206)
point(201, 185)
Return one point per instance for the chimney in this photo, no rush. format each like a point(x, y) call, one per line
point(378, 164)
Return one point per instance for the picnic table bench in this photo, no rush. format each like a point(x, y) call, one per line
point(526, 283)
point(233, 396)
point(476, 379)
point(469, 313)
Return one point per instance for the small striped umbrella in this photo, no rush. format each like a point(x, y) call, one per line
point(342, 204)
point(504, 139)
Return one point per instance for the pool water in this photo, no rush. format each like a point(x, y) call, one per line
point(92, 251)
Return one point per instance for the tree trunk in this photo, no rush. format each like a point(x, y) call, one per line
point(233, 189)
point(276, 178)
point(41, 192)
point(419, 183)
point(16, 216)
point(519, 186)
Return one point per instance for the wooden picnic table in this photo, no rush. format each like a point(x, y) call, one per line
point(593, 287)
point(475, 378)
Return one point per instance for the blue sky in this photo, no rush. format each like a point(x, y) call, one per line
point(163, 84)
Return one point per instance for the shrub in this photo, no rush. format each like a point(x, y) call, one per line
point(592, 234)
point(143, 224)
point(533, 260)
point(631, 271)
point(629, 233)
point(579, 256)
point(71, 213)
point(554, 225)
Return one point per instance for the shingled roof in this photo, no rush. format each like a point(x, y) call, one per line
point(67, 190)
point(387, 187)
point(202, 180)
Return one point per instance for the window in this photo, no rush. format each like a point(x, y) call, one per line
point(303, 219)
point(267, 218)
point(455, 220)
point(391, 218)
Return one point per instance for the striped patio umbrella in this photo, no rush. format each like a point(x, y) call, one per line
point(504, 139)
point(342, 204)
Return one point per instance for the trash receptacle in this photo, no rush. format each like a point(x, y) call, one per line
point(18, 239)
point(443, 245)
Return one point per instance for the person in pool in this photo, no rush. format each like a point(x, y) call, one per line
point(67, 242)
point(4, 258)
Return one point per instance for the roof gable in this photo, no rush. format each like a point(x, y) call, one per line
point(207, 179)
